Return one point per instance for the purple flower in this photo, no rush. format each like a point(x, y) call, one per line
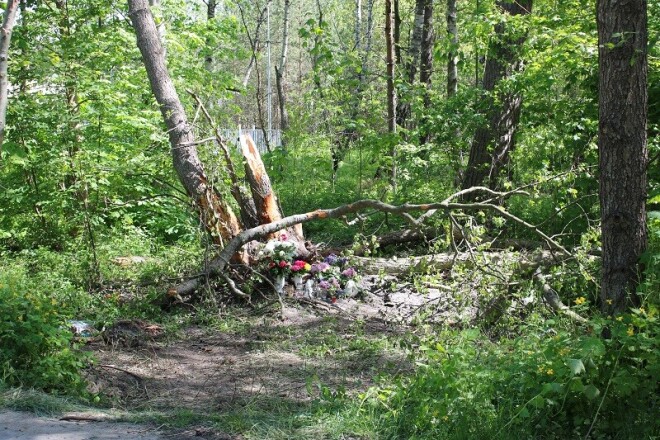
point(324, 285)
point(319, 267)
point(331, 259)
point(349, 273)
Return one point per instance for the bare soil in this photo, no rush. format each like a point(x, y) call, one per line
point(280, 361)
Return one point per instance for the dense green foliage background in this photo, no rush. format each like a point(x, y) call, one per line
point(86, 176)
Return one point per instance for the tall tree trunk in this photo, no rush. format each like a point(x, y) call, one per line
point(369, 35)
point(156, 4)
point(426, 63)
point(216, 215)
point(391, 92)
point(280, 70)
point(622, 138)
point(253, 39)
point(410, 65)
point(452, 55)
point(493, 143)
point(210, 15)
point(5, 38)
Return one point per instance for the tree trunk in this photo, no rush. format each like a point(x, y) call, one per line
point(452, 56)
point(410, 66)
point(265, 201)
point(216, 215)
point(155, 4)
point(5, 38)
point(391, 92)
point(426, 63)
point(210, 15)
point(493, 143)
point(622, 137)
point(348, 135)
point(280, 70)
point(253, 39)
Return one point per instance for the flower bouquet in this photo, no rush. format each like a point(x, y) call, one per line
point(299, 269)
point(278, 255)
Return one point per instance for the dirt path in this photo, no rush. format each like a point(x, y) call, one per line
point(26, 426)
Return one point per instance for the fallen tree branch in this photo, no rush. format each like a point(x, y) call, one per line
point(553, 300)
point(218, 264)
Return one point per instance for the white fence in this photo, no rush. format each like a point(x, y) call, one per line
point(257, 135)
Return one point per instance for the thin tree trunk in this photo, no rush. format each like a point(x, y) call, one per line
point(452, 56)
point(426, 63)
point(280, 70)
point(369, 35)
point(391, 92)
point(493, 143)
point(396, 30)
point(210, 15)
point(5, 38)
point(410, 66)
point(216, 215)
point(252, 39)
point(622, 146)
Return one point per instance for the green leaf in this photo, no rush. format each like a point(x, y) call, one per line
point(576, 366)
point(591, 392)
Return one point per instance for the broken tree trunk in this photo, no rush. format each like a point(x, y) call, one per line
point(216, 215)
point(265, 200)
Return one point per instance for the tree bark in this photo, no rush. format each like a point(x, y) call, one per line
point(493, 143)
point(5, 38)
point(410, 66)
point(217, 217)
point(622, 145)
point(280, 70)
point(452, 55)
point(210, 15)
point(426, 63)
point(391, 91)
point(160, 23)
point(265, 200)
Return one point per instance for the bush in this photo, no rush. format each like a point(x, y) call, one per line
point(545, 384)
point(36, 347)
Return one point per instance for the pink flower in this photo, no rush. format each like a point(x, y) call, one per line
point(283, 264)
point(349, 273)
point(298, 265)
point(283, 236)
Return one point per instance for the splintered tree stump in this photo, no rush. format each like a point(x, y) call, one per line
point(265, 201)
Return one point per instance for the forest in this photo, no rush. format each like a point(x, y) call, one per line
point(331, 219)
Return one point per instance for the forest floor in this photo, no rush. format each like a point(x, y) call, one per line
point(261, 376)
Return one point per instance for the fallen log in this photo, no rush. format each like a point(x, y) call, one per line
point(219, 264)
point(439, 262)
